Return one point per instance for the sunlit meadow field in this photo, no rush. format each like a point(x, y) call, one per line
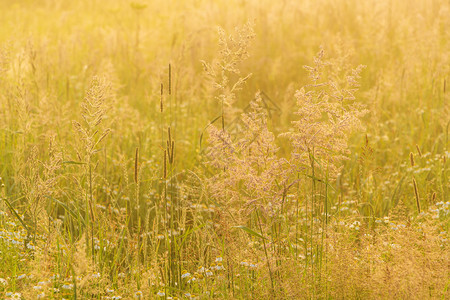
point(229, 149)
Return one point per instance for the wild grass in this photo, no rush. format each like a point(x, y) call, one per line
point(224, 149)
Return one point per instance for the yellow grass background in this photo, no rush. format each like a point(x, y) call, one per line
point(180, 149)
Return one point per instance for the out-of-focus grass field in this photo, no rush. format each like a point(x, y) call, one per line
point(182, 150)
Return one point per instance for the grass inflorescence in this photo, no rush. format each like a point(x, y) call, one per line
point(159, 151)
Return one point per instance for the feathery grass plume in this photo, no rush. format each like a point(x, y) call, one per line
point(400, 213)
point(327, 114)
point(365, 159)
point(245, 224)
point(91, 134)
point(114, 107)
point(39, 181)
point(366, 152)
point(233, 51)
point(250, 167)
point(247, 182)
point(94, 108)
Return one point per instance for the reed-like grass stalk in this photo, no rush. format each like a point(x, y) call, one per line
point(416, 194)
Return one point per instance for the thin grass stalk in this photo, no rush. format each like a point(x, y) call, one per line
point(416, 193)
point(326, 227)
point(161, 116)
point(92, 220)
point(138, 211)
point(297, 217)
point(265, 252)
point(306, 238)
point(170, 96)
point(313, 195)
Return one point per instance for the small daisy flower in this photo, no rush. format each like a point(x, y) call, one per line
point(16, 296)
point(138, 294)
point(191, 279)
point(67, 286)
point(185, 274)
point(161, 294)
